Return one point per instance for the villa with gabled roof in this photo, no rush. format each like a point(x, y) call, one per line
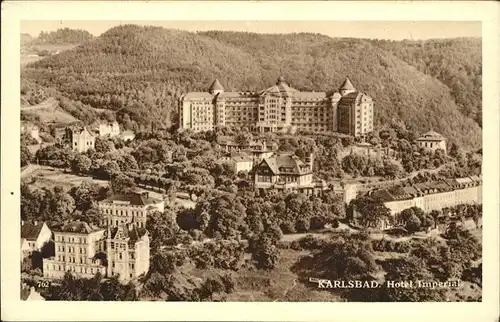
point(286, 171)
point(127, 251)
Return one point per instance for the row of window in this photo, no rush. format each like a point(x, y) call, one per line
point(79, 240)
point(130, 265)
point(72, 249)
point(135, 213)
point(123, 221)
point(75, 269)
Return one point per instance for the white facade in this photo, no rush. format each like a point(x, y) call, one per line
point(437, 201)
point(432, 141)
point(32, 243)
point(74, 252)
point(123, 210)
point(111, 129)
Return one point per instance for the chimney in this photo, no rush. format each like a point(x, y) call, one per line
point(22, 222)
point(35, 222)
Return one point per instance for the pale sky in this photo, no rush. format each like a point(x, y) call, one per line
point(395, 30)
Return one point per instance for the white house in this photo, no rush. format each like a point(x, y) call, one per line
point(34, 235)
point(432, 141)
point(111, 129)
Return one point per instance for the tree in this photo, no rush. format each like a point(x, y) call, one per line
point(413, 224)
point(436, 216)
point(26, 156)
point(454, 150)
point(371, 211)
point(393, 170)
point(163, 228)
point(103, 145)
point(108, 170)
point(242, 139)
point(81, 164)
point(59, 205)
point(128, 163)
point(32, 200)
point(344, 257)
point(223, 254)
point(122, 184)
point(226, 216)
point(409, 269)
point(265, 253)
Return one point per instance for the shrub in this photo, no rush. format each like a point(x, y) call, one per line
point(402, 247)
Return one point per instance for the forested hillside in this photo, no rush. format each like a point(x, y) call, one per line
point(455, 62)
point(141, 72)
point(64, 36)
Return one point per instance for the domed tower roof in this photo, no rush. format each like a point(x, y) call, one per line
point(347, 85)
point(216, 87)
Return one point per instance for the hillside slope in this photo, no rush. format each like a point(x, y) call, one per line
point(141, 71)
point(457, 63)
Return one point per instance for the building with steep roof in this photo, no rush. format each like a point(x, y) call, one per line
point(129, 208)
point(79, 138)
point(76, 245)
point(127, 251)
point(432, 141)
point(33, 236)
point(286, 171)
point(109, 128)
point(278, 108)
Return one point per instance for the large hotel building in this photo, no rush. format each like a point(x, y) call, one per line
point(121, 249)
point(279, 108)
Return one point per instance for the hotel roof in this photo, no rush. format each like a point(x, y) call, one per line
point(280, 88)
point(425, 188)
point(216, 86)
point(79, 227)
point(135, 199)
point(198, 95)
point(347, 85)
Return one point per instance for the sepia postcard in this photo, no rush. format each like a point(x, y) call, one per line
point(273, 160)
